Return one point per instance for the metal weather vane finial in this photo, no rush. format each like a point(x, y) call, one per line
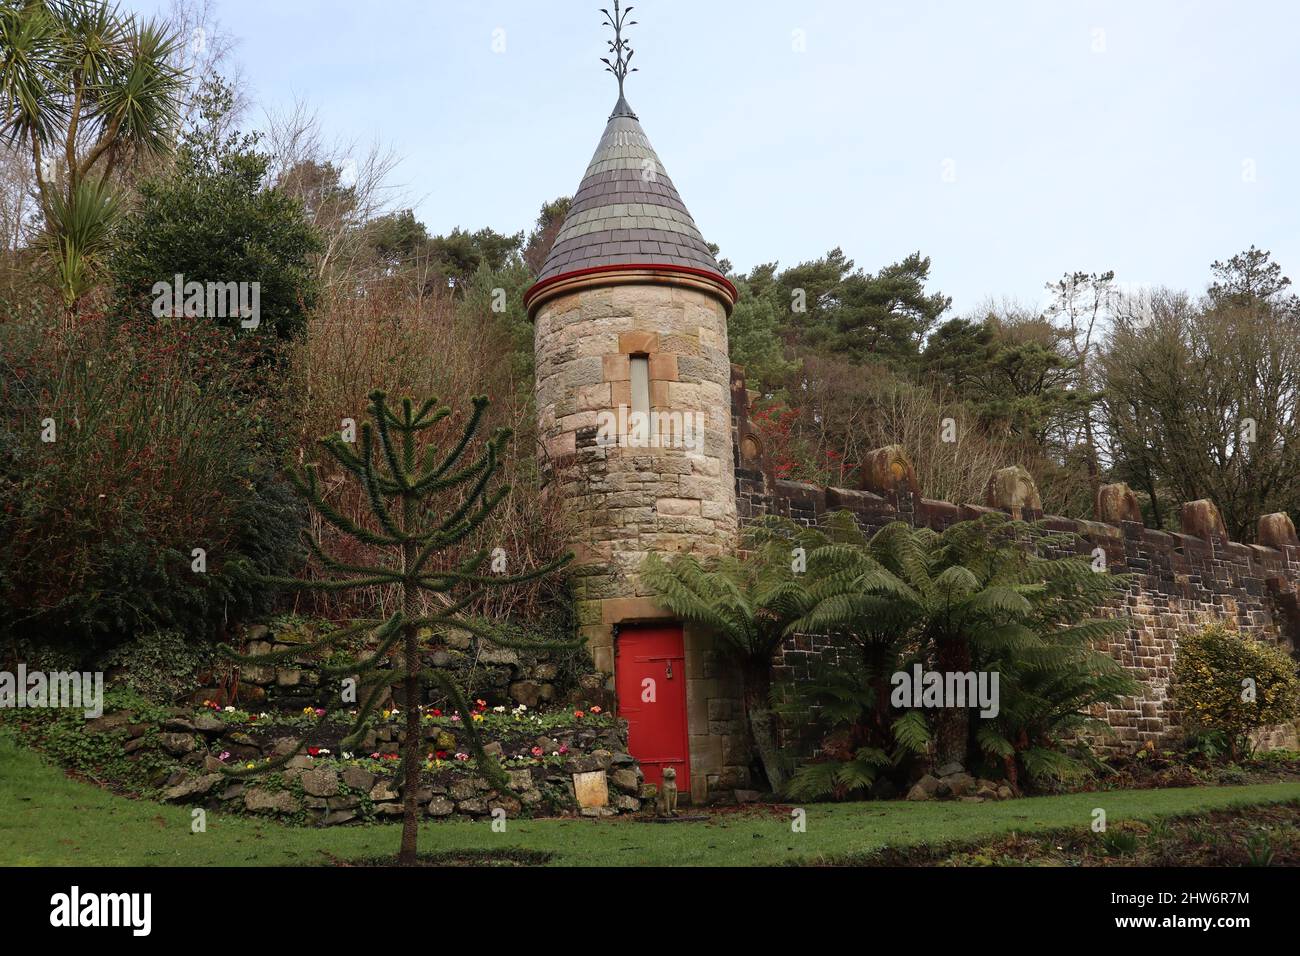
point(620, 48)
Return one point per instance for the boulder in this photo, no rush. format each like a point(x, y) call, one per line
point(463, 789)
point(507, 803)
point(207, 724)
point(520, 779)
point(382, 792)
point(958, 784)
point(336, 817)
point(474, 807)
point(498, 655)
point(626, 780)
point(526, 692)
point(927, 788)
point(356, 778)
point(193, 787)
point(259, 800)
point(440, 807)
point(176, 744)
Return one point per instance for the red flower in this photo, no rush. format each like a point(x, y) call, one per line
point(578, 713)
point(441, 755)
point(313, 751)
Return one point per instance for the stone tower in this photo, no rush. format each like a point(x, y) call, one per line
point(633, 397)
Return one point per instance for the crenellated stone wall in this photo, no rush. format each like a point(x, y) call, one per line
point(1181, 580)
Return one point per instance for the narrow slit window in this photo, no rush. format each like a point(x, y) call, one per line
point(641, 384)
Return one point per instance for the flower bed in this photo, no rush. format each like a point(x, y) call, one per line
point(188, 756)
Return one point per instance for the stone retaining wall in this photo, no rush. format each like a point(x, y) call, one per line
point(582, 770)
point(1181, 581)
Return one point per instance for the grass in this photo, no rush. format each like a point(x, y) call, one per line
point(47, 819)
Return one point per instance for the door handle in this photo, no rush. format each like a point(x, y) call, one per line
point(668, 670)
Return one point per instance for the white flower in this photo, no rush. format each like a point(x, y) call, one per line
point(230, 710)
point(499, 710)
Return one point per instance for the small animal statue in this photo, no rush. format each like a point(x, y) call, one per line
point(668, 793)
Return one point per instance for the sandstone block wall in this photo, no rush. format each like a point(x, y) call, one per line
point(626, 502)
point(1181, 581)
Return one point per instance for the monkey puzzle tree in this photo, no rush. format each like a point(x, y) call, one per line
point(426, 503)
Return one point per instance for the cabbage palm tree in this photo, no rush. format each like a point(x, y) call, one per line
point(83, 88)
point(749, 603)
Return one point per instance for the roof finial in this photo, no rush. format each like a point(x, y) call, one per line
point(622, 51)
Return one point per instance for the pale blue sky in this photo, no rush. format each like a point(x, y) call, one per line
point(1079, 135)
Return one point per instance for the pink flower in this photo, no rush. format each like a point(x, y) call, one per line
point(537, 751)
point(564, 748)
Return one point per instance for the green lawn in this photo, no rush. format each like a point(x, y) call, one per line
point(47, 819)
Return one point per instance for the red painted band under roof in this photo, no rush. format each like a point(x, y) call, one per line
point(630, 267)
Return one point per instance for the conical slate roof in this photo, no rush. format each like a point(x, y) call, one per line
point(627, 211)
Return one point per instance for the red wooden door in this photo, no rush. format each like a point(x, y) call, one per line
point(650, 680)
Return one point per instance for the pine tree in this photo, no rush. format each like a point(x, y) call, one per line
point(405, 488)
